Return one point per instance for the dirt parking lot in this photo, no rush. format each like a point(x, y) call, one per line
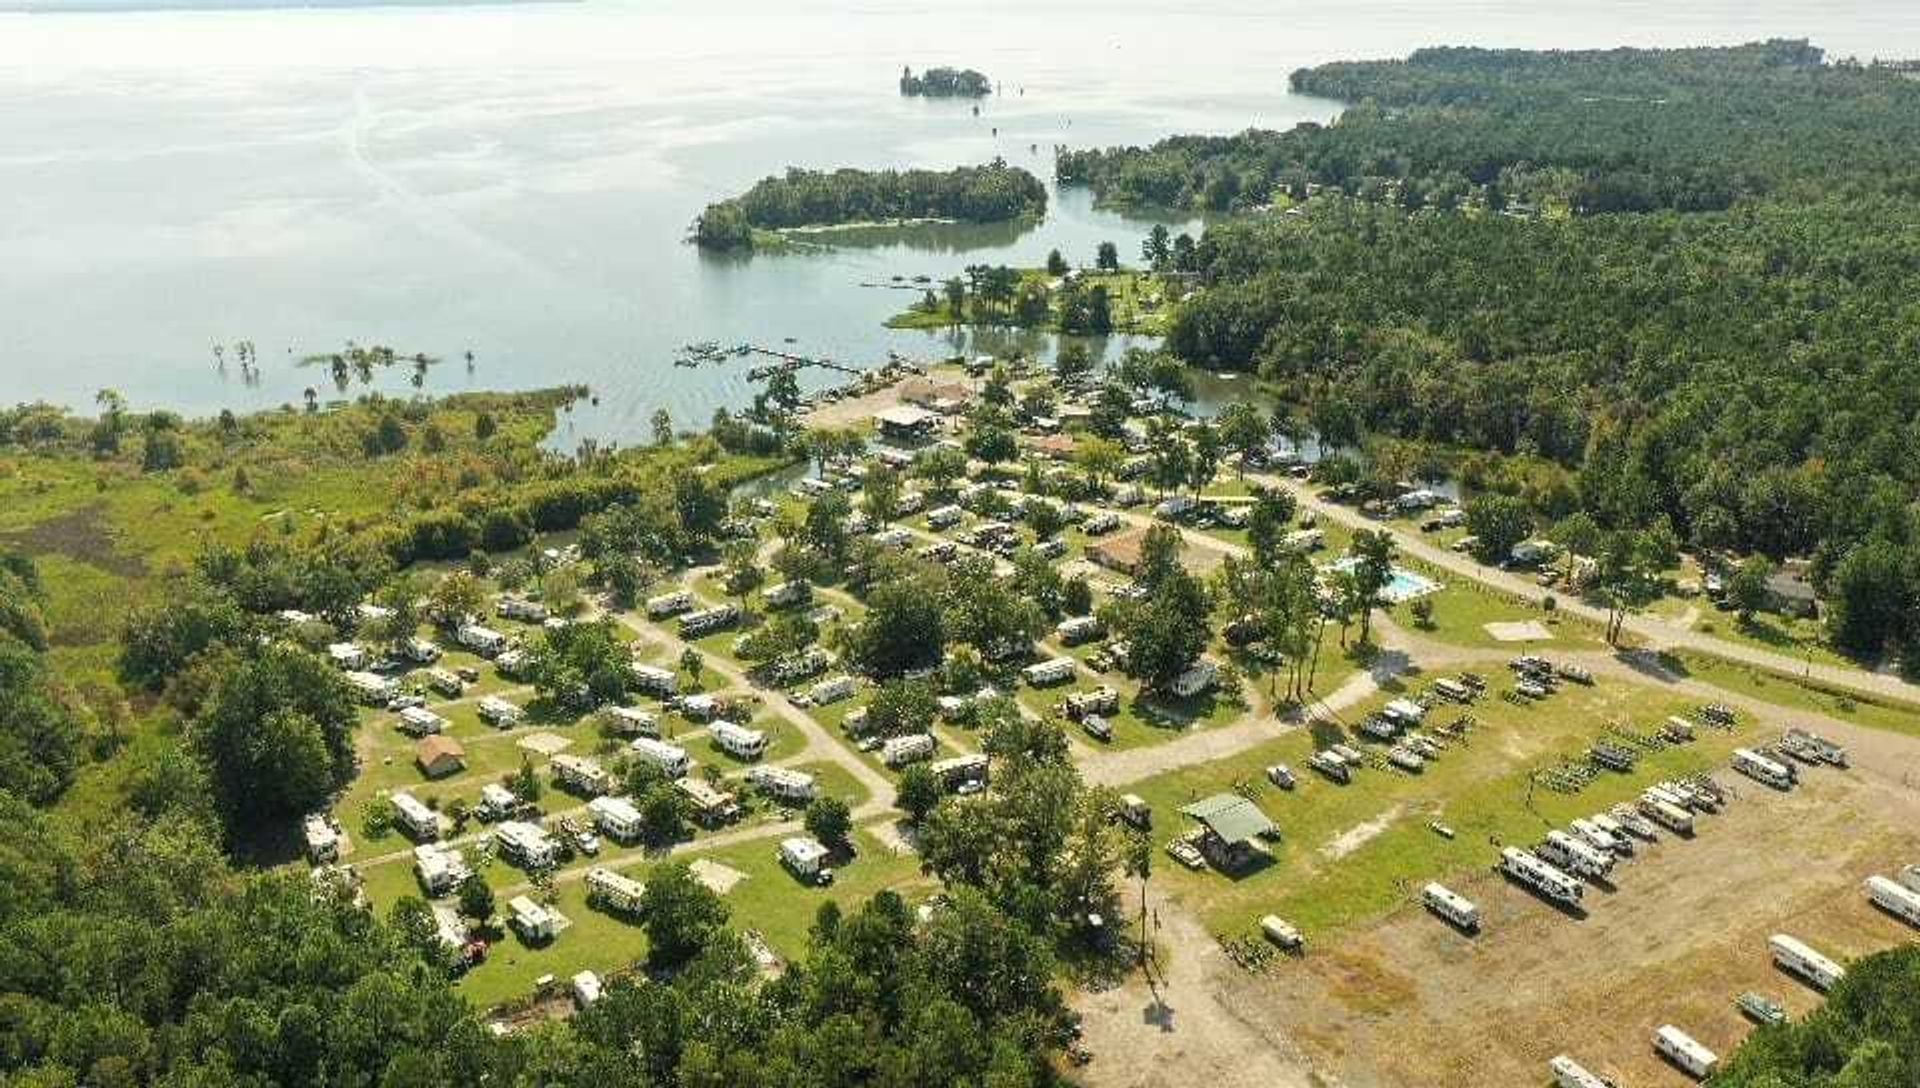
point(1407, 1001)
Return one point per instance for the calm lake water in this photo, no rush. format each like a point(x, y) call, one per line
point(515, 180)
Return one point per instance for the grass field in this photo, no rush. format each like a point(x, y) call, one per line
point(1351, 853)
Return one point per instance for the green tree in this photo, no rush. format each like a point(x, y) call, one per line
point(1108, 258)
point(476, 898)
point(1375, 552)
point(682, 916)
point(918, 791)
point(901, 707)
point(831, 821)
point(1747, 590)
point(1497, 523)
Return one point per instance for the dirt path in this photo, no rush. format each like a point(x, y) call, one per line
point(1186, 1021)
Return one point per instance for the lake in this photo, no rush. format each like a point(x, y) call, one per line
point(515, 180)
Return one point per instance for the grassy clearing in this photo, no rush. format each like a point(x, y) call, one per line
point(1798, 692)
point(1350, 854)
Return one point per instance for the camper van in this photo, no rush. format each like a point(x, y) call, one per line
point(655, 681)
point(806, 858)
point(629, 721)
point(912, 748)
point(525, 844)
point(611, 891)
point(617, 818)
point(1540, 876)
point(783, 784)
point(1568, 1073)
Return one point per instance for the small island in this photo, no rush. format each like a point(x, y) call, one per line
point(945, 83)
point(813, 200)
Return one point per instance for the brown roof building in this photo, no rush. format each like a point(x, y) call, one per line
point(1120, 552)
point(1057, 446)
point(439, 756)
point(938, 396)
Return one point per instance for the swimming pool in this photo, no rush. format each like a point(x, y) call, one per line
point(1402, 585)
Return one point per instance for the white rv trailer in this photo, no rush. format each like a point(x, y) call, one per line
point(1568, 1073)
point(739, 741)
point(613, 891)
point(1890, 896)
point(1575, 856)
point(1762, 769)
point(1622, 843)
point(1684, 1051)
point(1057, 671)
point(1666, 813)
point(670, 758)
point(617, 818)
point(1540, 876)
point(669, 604)
point(1451, 905)
point(1593, 834)
point(1794, 956)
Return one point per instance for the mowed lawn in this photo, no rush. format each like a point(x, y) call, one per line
point(1351, 853)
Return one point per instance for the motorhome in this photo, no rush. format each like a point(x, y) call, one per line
point(1451, 905)
point(1763, 769)
point(1330, 765)
point(372, 689)
point(1078, 629)
point(347, 656)
point(1199, 677)
point(1667, 814)
point(670, 758)
point(832, 690)
point(532, 921)
point(1616, 831)
point(513, 665)
point(711, 806)
point(497, 802)
point(788, 594)
point(1572, 855)
point(1678, 729)
point(418, 721)
point(323, 836)
point(1405, 712)
point(1685, 1052)
point(1795, 957)
point(521, 609)
point(739, 741)
point(1101, 700)
point(1453, 690)
point(1590, 832)
point(957, 771)
point(784, 784)
point(1542, 877)
point(1818, 746)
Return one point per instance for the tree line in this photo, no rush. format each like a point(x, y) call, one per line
point(945, 83)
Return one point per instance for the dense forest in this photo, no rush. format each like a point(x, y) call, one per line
point(1593, 132)
point(945, 83)
point(1682, 277)
point(802, 198)
point(1863, 1035)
